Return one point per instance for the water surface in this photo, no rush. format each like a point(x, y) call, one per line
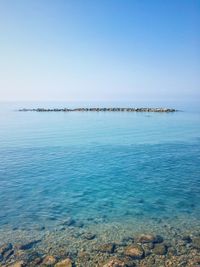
point(138, 170)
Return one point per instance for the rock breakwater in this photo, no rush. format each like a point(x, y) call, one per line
point(100, 109)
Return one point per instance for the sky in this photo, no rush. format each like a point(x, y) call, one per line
point(75, 50)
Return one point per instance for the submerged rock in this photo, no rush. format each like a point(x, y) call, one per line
point(36, 261)
point(64, 263)
point(39, 227)
point(49, 260)
point(134, 251)
point(83, 258)
point(196, 261)
point(89, 236)
point(28, 245)
point(115, 263)
point(17, 264)
point(147, 248)
point(107, 248)
point(68, 222)
point(119, 262)
point(127, 239)
point(7, 255)
point(5, 247)
point(150, 239)
point(187, 238)
point(160, 249)
point(196, 242)
point(60, 228)
point(79, 224)
point(6, 250)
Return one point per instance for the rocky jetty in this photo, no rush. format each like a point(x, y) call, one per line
point(100, 109)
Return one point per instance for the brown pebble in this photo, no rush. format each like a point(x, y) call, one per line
point(150, 239)
point(49, 260)
point(106, 248)
point(114, 263)
point(134, 251)
point(160, 249)
point(196, 260)
point(17, 264)
point(64, 263)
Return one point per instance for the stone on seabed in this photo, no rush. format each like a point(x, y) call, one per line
point(160, 249)
point(107, 248)
point(196, 242)
point(4, 248)
point(17, 264)
point(134, 251)
point(89, 236)
point(49, 260)
point(68, 222)
point(150, 238)
point(114, 263)
point(64, 263)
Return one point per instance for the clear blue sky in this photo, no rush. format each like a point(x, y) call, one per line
point(99, 49)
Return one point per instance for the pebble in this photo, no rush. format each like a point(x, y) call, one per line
point(39, 228)
point(5, 247)
point(134, 251)
point(79, 224)
point(196, 260)
point(17, 264)
point(187, 238)
point(196, 242)
point(147, 248)
point(150, 238)
point(107, 248)
point(28, 245)
point(49, 260)
point(160, 249)
point(6, 250)
point(127, 239)
point(64, 263)
point(60, 228)
point(89, 236)
point(68, 222)
point(83, 258)
point(114, 263)
point(36, 261)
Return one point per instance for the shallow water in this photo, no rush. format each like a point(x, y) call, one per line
point(133, 171)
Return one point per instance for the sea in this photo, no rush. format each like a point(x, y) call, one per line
point(72, 181)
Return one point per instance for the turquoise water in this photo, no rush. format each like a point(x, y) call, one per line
point(112, 176)
point(112, 166)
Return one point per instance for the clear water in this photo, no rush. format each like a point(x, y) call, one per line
point(115, 166)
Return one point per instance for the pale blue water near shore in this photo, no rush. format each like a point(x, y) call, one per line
point(98, 168)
